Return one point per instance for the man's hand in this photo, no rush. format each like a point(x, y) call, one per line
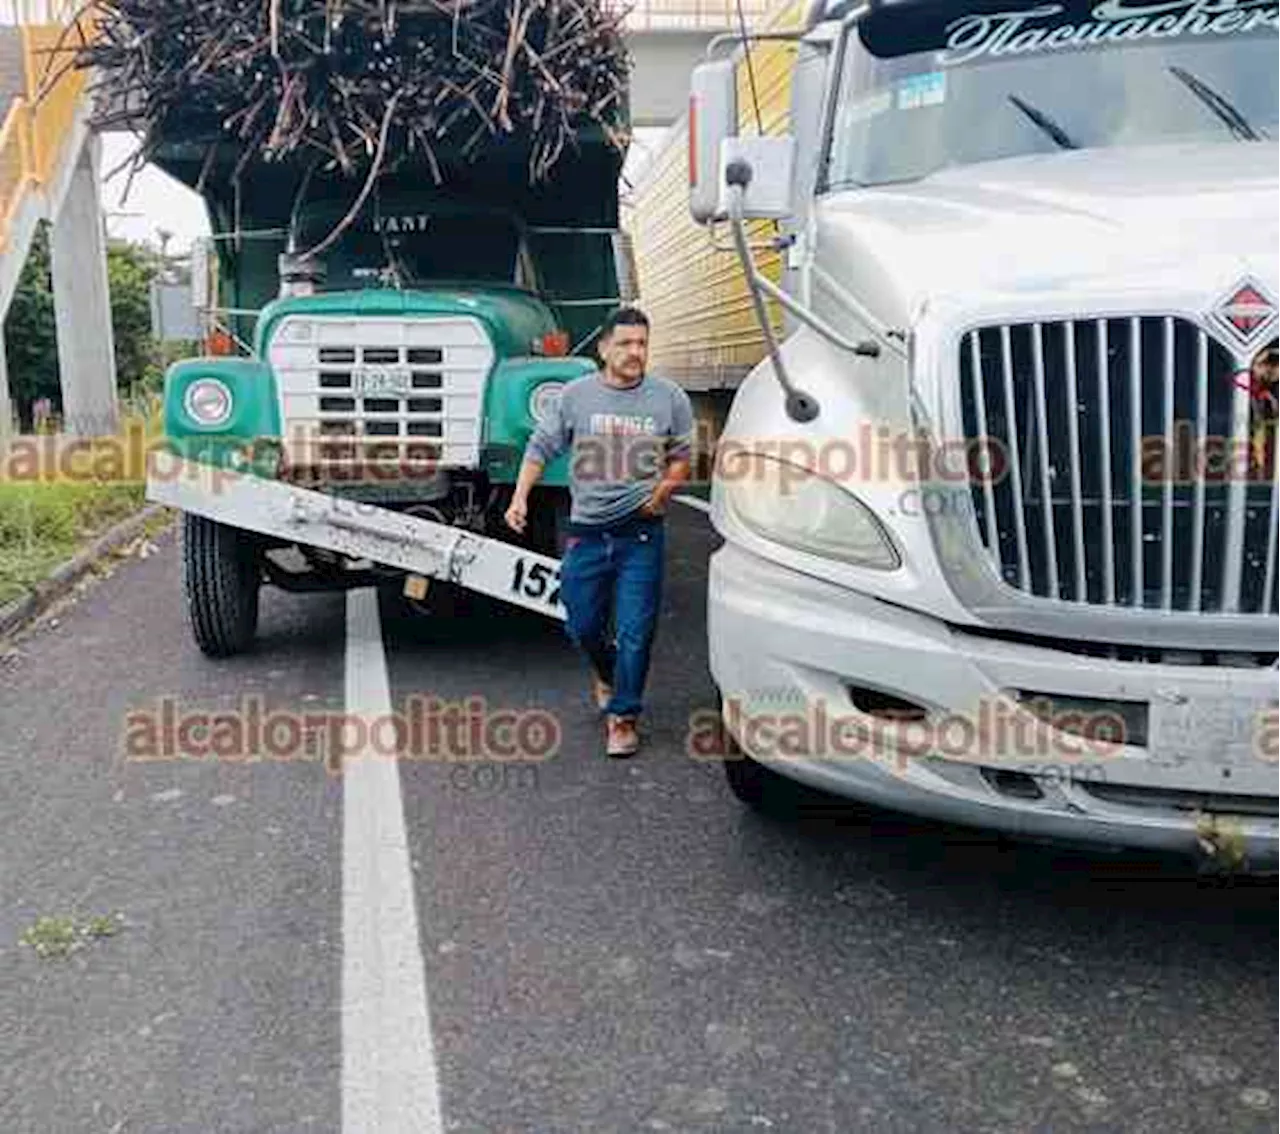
point(517, 515)
point(656, 505)
point(518, 511)
point(677, 473)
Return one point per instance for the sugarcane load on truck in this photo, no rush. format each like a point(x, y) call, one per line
point(414, 210)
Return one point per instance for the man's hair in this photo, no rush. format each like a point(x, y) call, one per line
point(624, 317)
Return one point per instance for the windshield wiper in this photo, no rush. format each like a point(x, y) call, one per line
point(1047, 124)
point(1228, 114)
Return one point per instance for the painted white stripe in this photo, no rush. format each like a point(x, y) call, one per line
point(389, 1079)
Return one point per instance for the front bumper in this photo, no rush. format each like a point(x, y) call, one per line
point(359, 531)
point(793, 656)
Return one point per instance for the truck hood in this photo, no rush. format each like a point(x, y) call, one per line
point(1171, 223)
point(513, 318)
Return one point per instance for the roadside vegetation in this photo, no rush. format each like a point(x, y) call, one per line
point(58, 492)
point(45, 524)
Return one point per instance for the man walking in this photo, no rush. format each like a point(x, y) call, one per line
point(631, 437)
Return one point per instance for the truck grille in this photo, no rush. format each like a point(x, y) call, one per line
point(1097, 494)
point(378, 398)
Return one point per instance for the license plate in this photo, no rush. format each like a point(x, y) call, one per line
point(388, 381)
point(1225, 735)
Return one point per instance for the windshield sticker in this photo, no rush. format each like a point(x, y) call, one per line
point(1113, 21)
point(867, 108)
point(922, 90)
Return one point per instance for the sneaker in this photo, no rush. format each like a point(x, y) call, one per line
point(601, 692)
point(621, 737)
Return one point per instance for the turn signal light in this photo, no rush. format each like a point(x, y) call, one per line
point(219, 344)
point(556, 344)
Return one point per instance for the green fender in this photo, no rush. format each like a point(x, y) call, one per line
point(250, 439)
point(508, 421)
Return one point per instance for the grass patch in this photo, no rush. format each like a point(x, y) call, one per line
point(53, 937)
point(44, 524)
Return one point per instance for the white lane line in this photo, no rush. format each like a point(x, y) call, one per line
point(390, 1083)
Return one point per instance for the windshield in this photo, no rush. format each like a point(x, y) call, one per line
point(416, 248)
point(988, 87)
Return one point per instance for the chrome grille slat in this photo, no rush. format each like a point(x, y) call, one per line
point(1202, 434)
point(1073, 449)
point(1134, 443)
point(1166, 504)
point(1137, 583)
point(1015, 462)
point(1273, 528)
point(1104, 462)
point(989, 495)
point(1046, 486)
point(1233, 555)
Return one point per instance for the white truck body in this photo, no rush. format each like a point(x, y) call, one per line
point(1081, 669)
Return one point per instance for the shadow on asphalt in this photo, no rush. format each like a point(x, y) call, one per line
point(477, 623)
point(919, 856)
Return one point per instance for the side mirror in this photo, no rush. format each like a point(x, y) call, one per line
point(714, 144)
point(766, 190)
point(713, 117)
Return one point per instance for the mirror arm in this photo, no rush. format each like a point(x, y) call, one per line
point(800, 406)
point(773, 244)
point(866, 349)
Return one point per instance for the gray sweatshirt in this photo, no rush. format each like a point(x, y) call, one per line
point(621, 440)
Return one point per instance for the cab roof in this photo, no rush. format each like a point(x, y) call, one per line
point(903, 27)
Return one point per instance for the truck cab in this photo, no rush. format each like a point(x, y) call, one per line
point(1000, 507)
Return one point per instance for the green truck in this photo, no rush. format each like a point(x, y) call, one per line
point(397, 369)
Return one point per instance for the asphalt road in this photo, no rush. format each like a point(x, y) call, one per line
point(606, 946)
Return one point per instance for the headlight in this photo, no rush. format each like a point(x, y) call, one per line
point(791, 505)
point(543, 399)
point(207, 402)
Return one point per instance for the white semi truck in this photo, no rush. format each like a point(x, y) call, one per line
point(999, 503)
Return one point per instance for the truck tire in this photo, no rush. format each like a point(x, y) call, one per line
point(221, 578)
point(759, 787)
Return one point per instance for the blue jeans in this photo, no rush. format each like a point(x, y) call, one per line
point(622, 570)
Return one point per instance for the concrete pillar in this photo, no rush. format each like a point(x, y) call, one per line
point(82, 304)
